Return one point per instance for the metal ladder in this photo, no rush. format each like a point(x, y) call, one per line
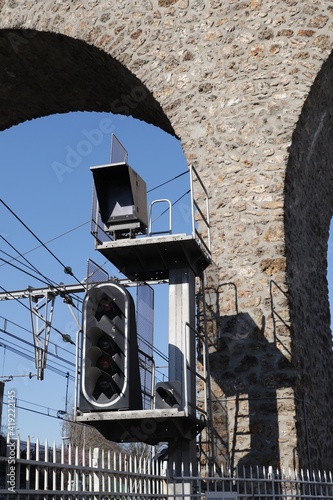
point(206, 439)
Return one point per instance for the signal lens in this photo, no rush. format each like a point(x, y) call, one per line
point(103, 363)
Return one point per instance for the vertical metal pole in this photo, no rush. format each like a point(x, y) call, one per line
point(96, 475)
point(182, 453)
point(2, 387)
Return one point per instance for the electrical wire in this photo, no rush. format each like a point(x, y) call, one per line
point(68, 362)
point(65, 337)
point(39, 412)
point(14, 258)
point(57, 237)
point(42, 244)
point(25, 354)
point(53, 286)
point(167, 182)
point(32, 267)
point(67, 269)
point(30, 344)
point(56, 346)
point(23, 271)
point(48, 281)
point(48, 415)
point(51, 282)
point(33, 404)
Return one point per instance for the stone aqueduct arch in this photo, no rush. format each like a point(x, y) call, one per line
point(246, 85)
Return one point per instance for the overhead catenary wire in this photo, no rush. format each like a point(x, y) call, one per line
point(40, 412)
point(26, 354)
point(30, 265)
point(22, 255)
point(43, 244)
point(47, 279)
point(53, 285)
point(167, 182)
point(57, 237)
point(27, 342)
point(23, 270)
point(48, 415)
point(60, 358)
point(34, 404)
point(50, 282)
point(65, 337)
point(56, 346)
point(67, 269)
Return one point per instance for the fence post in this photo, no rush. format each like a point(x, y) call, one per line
point(96, 479)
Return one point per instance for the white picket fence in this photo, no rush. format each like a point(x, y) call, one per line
point(34, 472)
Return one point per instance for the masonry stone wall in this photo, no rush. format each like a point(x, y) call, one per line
point(246, 87)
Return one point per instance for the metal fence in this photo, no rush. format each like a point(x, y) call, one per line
point(35, 472)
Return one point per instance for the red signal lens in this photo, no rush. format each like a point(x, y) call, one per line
point(106, 305)
point(103, 363)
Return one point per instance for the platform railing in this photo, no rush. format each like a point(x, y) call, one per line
point(200, 215)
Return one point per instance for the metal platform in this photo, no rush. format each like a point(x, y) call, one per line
point(151, 258)
point(148, 426)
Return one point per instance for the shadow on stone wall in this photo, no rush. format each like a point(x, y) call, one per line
point(250, 369)
point(247, 372)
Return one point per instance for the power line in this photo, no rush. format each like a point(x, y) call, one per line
point(31, 266)
point(40, 412)
point(56, 346)
point(54, 369)
point(33, 404)
point(24, 258)
point(26, 354)
point(32, 345)
point(53, 285)
point(50, 282)
point(166, 182)
point(57, 237)
point(65, 337)
point(23, 271)
point(67, 269)
point(58, 417)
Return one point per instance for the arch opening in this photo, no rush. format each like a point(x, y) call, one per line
point(47, 73)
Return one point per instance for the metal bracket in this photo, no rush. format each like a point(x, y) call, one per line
point(41, 311)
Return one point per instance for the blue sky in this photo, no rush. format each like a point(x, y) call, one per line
point(47, 183)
